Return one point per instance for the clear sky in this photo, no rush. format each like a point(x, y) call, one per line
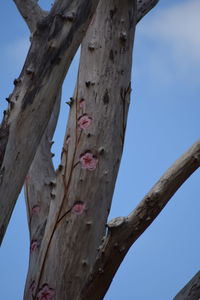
point(163, 123)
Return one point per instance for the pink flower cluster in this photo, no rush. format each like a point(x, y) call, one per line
point(84, 121)
point(78, 208)
point(45, 293)
point(88, 161)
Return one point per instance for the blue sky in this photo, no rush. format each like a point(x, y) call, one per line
point(163, 122)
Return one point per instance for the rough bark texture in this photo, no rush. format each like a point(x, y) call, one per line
point(53, 46)
point(39, 185)
point(31, 12)
point(124, 231)
point(74, 253)
point(85, 87)
point(90, 158)
point(144, 6)
point(191, 290)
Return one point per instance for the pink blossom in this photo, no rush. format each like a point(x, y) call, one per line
point(84, 121)
point(35, 210)
point(88, 161)
point(46, 293)
point(34, 246)
point(78, 208)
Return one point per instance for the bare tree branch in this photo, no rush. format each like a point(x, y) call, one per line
point(39, 186)
point(82, 254)
point(53, 46)
point(124, 231)
point(101, 98)
point(191, 290)
point(143, 7)
point(31, 12)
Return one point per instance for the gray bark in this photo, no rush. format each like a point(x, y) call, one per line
point(144, 6)
point(72, 254)
point(53, 46)
point(83, 193)
point(39, 185)
point(124, 231)
point(191, 290)
point(31, 12)
point(34, 187)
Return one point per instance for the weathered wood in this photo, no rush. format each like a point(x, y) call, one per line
point(124, 231)
point(144, 6)
point(80, 123)
point(91, 157)
point(31, 12)
point(191, 290)
point(39, 185)
point(53, 46)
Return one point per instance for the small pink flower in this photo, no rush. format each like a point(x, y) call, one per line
point(84, 121)
point(46, 293)
point(88, 161)
point(78, 208)
point(34, 246)
point(35, 210)
point(82, 103)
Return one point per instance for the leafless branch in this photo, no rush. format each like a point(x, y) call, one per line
point(124, 231)
point(39, 187)
point(143, 7)
point(45, 67)
point(31, 12)
point(191, 290)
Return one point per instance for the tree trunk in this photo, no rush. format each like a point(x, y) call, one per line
point(54, 43)
point(74, 253)
point(91, 154)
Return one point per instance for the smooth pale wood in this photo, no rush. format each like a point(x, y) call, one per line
point(53, 46)
point(124, 231)
point(71, 241)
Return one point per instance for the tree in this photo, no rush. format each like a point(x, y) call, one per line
point(90, 159)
